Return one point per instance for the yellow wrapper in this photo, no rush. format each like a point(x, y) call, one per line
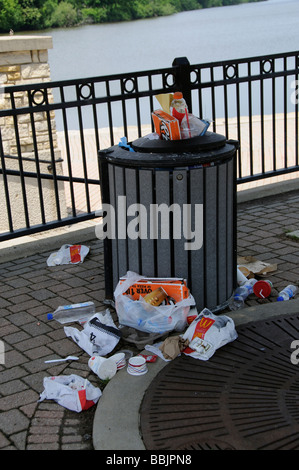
point(165, 100)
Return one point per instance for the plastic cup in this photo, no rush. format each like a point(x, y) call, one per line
point(104, 368)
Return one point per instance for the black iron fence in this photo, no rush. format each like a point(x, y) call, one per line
point(50, 133)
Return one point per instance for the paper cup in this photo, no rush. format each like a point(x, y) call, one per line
point(104, 368)
point(137, 366)
point(119, 359)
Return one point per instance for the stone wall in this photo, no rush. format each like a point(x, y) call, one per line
point(24, 60)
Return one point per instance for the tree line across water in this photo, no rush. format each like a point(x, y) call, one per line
point(26, 15)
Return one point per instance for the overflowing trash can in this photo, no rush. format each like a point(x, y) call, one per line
point(169, 211)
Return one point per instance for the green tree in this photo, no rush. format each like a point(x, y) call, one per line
point(31, 14)
point(10, 15)
point(64, 15)
point(47, 9)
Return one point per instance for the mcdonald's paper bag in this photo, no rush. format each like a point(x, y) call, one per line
point(207, 333)
point(70, 391)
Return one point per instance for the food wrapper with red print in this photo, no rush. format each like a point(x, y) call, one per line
point(207, 333)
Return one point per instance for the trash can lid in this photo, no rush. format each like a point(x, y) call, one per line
point(205, 150)
point(209, 141)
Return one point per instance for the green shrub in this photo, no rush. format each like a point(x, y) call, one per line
point(95, 15)
point(11, 15)
point(64, 15)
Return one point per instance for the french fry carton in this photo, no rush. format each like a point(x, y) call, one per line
point(166, 126)
point(176, 288)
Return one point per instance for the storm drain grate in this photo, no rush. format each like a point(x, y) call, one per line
point(245, 397)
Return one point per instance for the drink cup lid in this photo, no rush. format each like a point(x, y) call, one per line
point(262, 289)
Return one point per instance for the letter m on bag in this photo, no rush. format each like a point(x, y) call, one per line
point(202, 327)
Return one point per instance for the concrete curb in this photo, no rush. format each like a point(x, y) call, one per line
point(268, 190)
point(116, 420)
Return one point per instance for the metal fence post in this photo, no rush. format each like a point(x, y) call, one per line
point(182, 79)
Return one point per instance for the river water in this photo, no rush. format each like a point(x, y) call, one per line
point(206, 35)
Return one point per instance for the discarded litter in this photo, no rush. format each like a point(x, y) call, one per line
point(104, 368)
point(123, 143)
point(70, 391)
point(99, 335)
point(241, 294)
point(119, 359)
point(139, 338)
point(149, 358)
point(137, 366)
point(127, 352)
point(80, 312)
point(174, 122)
point(251, 266)
point(241, 278)
point(145, 317)
point(136, 286)
point(173, 346)
point(287, 293)
point(68, 358)
point(262, 289)
point(192, 315)
point(207, 333)
point(68, 254)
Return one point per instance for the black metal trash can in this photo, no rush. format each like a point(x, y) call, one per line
point(184, 223)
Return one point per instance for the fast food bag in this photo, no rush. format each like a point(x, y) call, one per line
point(207, 333)
point(70, 391)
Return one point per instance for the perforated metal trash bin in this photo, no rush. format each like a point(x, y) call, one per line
point(170, 211)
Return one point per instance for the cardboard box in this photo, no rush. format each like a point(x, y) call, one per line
point(166, 126)
point(176, 288)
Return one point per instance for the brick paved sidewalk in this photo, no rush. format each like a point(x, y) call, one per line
point(29, 289)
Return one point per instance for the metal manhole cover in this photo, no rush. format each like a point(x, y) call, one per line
point(245, 397)
point(206, 444)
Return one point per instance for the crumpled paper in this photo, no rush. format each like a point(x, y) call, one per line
point(251, 266)
point(173, 346)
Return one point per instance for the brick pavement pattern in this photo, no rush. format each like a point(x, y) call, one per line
point(29, 289)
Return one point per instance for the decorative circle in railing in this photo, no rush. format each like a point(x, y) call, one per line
point(267, 65)
point(85, 91)
point(39, 97)
point(168, 80)
point(129, 85)
point(194, 76)
point(230, 71)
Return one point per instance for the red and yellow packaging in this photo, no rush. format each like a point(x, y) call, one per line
point(176, 288)
point(166, 126)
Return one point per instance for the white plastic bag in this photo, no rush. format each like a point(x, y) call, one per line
point(207, 333)
point(193, 126)
point(68, 254)
point(145, 317)
point(70, 391)
point(99, 335)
